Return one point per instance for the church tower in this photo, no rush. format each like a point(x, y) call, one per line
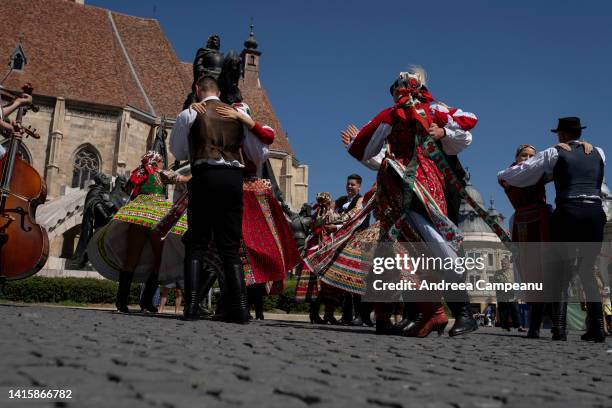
point(291, 175)
point(250, 57)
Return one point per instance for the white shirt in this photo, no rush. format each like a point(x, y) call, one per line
point(455, 141)
point(534, 169)
point(252, 147)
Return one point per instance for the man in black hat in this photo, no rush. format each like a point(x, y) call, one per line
point(578, 217)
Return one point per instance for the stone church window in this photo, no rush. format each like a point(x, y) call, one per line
point(86, 166)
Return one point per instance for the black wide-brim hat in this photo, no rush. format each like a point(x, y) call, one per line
point(568, 124)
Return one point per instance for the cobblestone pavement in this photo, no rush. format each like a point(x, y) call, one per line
point(113, 360)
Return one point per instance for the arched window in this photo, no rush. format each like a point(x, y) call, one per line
point(23, 151)
point(86, 166)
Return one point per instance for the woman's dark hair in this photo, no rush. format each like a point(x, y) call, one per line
point(229, 77)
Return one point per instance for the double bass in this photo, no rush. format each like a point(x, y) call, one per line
point(24, 245)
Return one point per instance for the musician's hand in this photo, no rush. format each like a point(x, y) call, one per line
point(348, 135)
point(198, 107)
point(18, 130)
point(436, 132)
point(5, 126)
point(24, 99)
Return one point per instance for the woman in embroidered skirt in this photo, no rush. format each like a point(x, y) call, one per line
point(411, 187)
point(531, 223)
point(127, 249)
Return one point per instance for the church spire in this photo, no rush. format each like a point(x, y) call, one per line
point(250, 59)
point(251, 43)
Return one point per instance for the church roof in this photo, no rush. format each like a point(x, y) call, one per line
point(91, 54)
point(261, 107)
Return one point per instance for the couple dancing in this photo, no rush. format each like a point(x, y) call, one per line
point(224, 146)
point(576, 225)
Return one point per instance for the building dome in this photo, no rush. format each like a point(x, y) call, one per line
point(251, 42)
point(469, 220)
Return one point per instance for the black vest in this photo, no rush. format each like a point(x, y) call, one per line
point(577, 173)
point(342, 200)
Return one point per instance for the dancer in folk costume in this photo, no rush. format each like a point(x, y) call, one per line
point(309, 288)
point(339, 265)
point(127, 249)
point(267, 249)
point(412, 189)
point(531, 223)
point(577, 223)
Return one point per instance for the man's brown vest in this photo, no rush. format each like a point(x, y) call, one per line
point(214, 137)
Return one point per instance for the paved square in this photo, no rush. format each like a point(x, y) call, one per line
point(113, 360)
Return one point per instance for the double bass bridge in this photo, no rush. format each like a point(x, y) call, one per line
point(9, 219)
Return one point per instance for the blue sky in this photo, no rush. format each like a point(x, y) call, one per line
point(517, 65)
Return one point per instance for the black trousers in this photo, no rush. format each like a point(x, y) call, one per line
point(214, 213)
point(509, 311)
point(581, 226)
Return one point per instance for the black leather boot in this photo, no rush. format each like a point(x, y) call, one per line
point(595, 323)
point(347, 309)
point(464, 319)
point(146, 300)
point(328, 315)
point(535, 320)
point(258, 302)
point(123, 291)
point(559, 321)
point(193, 271)
point(409, 316)
point(208, 279)
point(315, 317)
point(236, 294)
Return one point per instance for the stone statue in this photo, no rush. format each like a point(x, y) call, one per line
point(300, 224)
point(208, 61)
point(118, 196)
point(97, 212)
point(159, 142)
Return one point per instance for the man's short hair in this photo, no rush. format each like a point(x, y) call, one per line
point(208, 84)
point(354, 176)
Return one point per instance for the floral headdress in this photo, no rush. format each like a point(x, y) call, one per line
point(149, 164)
point(413, 98)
